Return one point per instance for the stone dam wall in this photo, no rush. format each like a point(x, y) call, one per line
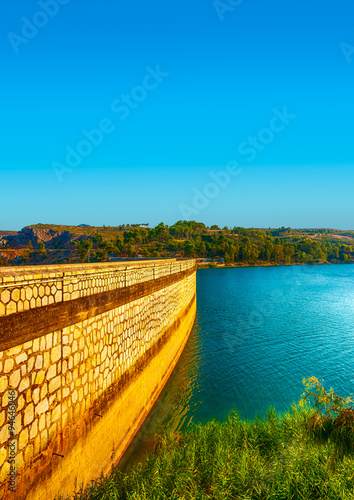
point(84, 352)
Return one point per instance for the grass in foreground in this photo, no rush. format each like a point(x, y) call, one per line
point(297, 455)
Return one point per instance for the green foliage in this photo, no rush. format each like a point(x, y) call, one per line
point(327, 403)
point(3, 261)
point(30, 247)
point(189, 248)
point(42, 250)
point(272, 458)
point(333, 418)
point(303, 454)
point(97, 238)
point(84, 248)
point(237, 246)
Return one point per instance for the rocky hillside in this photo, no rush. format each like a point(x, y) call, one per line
point(37, 245)
point(50, 237)
point(52, 244)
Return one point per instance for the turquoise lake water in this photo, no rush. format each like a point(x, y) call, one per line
point(259, 332)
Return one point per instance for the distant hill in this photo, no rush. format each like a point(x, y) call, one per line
point(6, 233)
point(50, 243)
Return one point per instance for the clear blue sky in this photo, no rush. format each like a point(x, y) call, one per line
point(179, 89)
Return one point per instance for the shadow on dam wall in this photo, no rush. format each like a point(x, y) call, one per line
point(84, 352)
point(176, 405)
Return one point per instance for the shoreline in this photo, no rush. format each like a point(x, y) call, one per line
point(215, 265)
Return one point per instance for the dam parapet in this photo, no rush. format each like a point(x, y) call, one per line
point(84, 352)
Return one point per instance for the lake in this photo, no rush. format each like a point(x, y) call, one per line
point(259, 331)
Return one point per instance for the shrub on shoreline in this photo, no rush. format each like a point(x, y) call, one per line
point(295, 455)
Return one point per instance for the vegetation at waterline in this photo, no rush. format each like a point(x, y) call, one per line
point(235, 246)
point(306, 453)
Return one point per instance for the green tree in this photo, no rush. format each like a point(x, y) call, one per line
point(289, 251)
point(189, 248)
point(42, 250)
point(201, 249)
point(161, 232)
point(84, 248)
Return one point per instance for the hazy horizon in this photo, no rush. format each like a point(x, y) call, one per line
point(221, 226)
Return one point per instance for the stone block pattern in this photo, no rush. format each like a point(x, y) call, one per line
point(23, 288)
point(33, 370)
point(58, 377)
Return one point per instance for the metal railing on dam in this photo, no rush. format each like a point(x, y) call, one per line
point(84, 352)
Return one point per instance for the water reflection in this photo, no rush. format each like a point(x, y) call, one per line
point(259, 332)
point(176, 404)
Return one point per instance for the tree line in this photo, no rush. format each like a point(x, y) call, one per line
point(236, 245)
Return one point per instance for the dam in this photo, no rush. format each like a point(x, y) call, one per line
point(85, 350)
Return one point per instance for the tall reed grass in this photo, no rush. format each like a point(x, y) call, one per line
point(297, 455)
